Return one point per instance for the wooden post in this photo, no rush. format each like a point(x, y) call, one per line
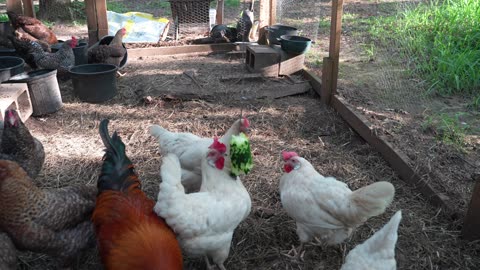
point(96, 20)
point(264, 18)
point(273, 12)
point(330, 64)
point(28, 8)
point(471, 223)
point(15, 6)
point(220, 9)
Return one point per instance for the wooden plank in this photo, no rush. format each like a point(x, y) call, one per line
point(335, 36)
point(101, 9)
point(273, 12)
point(92, 24)
point(15, 6)
point(263, 13)
point(471, 223)
point(173, 50)
point(314, 81)
point(396, 158)
point(326, 91)
point(28, 8)
point(220, 11)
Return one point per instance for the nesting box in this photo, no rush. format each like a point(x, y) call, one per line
point(262, 59)
point(15, 96)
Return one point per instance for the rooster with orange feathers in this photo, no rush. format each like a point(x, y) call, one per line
point(130, 235)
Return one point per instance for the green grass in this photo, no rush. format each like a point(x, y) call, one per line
point(441, 41)
point(117, 7)
point(232, 3)
point(447, 128)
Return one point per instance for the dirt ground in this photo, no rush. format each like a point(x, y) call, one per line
point(428, 238)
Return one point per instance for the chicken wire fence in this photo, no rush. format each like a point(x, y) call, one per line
point(388, 60)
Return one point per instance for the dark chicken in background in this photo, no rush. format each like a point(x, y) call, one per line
point(31, 28)
point(18, 144)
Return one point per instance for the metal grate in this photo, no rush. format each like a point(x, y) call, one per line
point(190, 14)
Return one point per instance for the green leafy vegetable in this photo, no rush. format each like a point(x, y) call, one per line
point(240, 155)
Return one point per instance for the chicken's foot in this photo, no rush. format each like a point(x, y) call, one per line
point(297, 254)
point(207, 262)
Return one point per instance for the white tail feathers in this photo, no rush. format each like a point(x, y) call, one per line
point(157, 131)
point(377, 252)
point(371, 200)
point(171, 171)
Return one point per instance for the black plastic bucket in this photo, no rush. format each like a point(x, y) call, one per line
point(80, 52)
point(94, 83)
point(10, 66)
point(43, 89)
point(277, 30)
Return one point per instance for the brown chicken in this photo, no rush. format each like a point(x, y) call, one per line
point(19, 145)
point(60, 60)
point(130, 235)
point(8, 253)
point(51, 221)
point(31, 28)
point(112, 53)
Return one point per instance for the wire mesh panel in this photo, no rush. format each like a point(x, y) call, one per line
point(301, 14)
point(193, 14)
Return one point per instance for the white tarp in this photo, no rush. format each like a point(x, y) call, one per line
point(141, 27)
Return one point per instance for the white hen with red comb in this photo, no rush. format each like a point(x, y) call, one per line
point(190, 149)
point(324, 207)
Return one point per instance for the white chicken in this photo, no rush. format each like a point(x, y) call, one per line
point(191, 148)
point(324, 207)
point(377, 252)
point(204, 221)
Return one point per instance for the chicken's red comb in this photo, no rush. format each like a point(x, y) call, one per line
point(288, 155)
point(217, 145)
point(246, 123)
point(11, 117)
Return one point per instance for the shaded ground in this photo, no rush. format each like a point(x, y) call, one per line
point(427, 239)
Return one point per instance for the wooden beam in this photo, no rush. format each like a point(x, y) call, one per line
point(471, 223)
point(273, 12)
point(92, 23)
point(314, 81)
point(335, 36)
point(190, 49)
point(397, 159)
point(28, 8)
point(15, 6)
point(326, 91)
point(220, 10)
point(263, 13)
point(101, 9)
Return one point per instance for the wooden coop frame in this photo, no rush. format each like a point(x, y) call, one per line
point(326, 87)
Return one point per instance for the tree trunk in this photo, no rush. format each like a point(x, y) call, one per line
point(53, 10)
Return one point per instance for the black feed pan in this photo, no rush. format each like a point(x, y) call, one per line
point(10, 66)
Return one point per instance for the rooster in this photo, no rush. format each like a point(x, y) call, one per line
point(377, 252)
point(51, 221)
point(130, 235)
point(61, 60)
point(19, 145)
point(204, 221)
point(31, 28)
point(112, 53)
point(324, 207)
point(191, 148)
point(8, 253)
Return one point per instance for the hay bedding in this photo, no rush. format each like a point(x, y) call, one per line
point(427, 239)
